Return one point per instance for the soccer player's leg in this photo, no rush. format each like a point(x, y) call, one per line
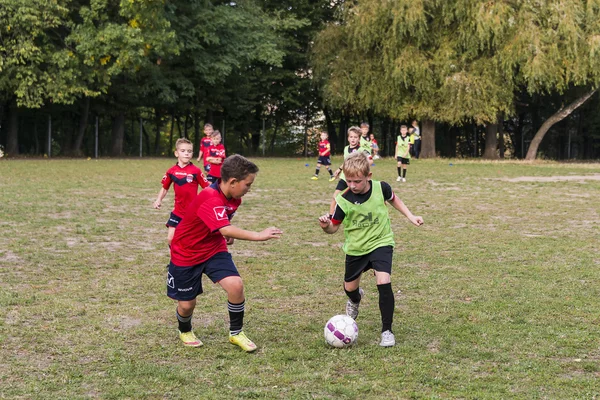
point(355, 265)
point(381, 259)
point(317, 170)
point(221, 269)
point(184, 284)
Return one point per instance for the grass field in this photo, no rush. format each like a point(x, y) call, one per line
point(497, 295)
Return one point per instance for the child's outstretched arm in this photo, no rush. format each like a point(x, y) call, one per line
point(234, 232)
point(400, 206)
point(159, 199)
point(326, 225)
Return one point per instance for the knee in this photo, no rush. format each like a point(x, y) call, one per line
point(234, 286)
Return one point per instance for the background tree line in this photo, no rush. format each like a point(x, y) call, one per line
point(484, 78)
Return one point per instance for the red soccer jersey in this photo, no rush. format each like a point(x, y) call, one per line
point(217, 151)
point(186, 181)
point(205, 143)
point(324, 148)
point(197, 237)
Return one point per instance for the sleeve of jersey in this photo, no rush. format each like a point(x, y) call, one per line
point(202, 180)
point(166, 181)
point(338, 216)
point(214, 214)
point(388, 192)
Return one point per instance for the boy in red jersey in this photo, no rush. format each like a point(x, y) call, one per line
point(186, 178)
point(374, 147)
point(324, 157)
point(215, 157)
point(205, 144)
point(200, 247)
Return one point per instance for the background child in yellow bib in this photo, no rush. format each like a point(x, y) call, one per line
point(369, 238)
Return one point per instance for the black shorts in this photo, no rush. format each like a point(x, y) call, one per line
point(341, 185)
point(324, 160)
point(173, 221)
point(402, 160)
point(211, 179)
point(379, 259)
point(185, 283)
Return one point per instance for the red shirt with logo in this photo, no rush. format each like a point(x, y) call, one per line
point(205, 143)
point(324, 148)
point(197, 237)
point(185, 184)
point(217, 151)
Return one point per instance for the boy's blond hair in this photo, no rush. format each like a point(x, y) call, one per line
point(215, 133)
point(357, 163)
point(355, 129)
point(182, 141)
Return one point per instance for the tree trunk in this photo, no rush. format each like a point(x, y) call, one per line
point(158, 124)
point(197, 130)
point(83, 122)
point(12, 136)
point(491, 142)
point(118, 133)
point(171, 134)
point(428, 139)
point(561, 114)
point(275, 130)
point(501, 145)
point(330, 129)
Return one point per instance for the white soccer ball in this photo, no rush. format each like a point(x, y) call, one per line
point(341, 331)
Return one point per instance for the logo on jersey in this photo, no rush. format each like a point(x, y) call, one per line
point(189, 178)
point(220, 213)
point(365, 220)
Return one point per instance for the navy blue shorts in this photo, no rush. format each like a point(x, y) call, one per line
point(324, 160)
point(402, 160)
point(173, 221)
point(185, 283)
point(379, 259)
point(211, 179)
point(341, 185)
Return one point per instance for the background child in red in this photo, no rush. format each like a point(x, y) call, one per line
point(215, 157)
point(324, 157)
point(205, 144)
point(186, 177)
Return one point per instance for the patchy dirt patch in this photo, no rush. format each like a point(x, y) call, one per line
point(565, 178)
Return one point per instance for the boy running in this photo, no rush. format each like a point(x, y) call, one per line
point(324, 157)
point(369, 240)
point(186, 177)
point(200, 247)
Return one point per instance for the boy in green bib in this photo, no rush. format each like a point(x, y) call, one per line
point(369, 240)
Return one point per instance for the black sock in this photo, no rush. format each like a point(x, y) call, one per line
point(354, 295)
point(185, 323)
point(317, 172)
point(399, 171)
point(330, 171)
point(386, 306)
point(236, 317)
point(404, 173)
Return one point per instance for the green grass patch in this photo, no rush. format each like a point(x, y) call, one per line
point(497, 295)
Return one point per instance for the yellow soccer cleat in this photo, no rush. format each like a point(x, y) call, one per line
point(331, 178)
point(315, 178)
point(189, 339)
point(242, 340)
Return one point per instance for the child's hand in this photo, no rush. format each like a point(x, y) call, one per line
point(157, 204)
point(417, 220)
point(324, 221)
point(337, 173)
point(270, 233)
point(229, 240)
